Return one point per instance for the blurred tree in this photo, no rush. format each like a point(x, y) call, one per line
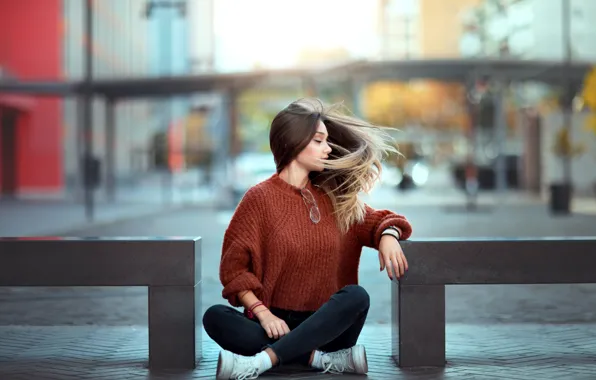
point(430, 104)
point(563, 147)
point(589, 99)
point(198, 141)
point(257, 108)
point(549, 102)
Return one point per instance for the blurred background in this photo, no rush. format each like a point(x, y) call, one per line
point(170, 101)
point(147, 118)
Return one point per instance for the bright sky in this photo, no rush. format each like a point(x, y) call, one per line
point(272, 32)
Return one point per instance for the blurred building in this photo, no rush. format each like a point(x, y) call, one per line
point(530, 29)
point(30, 128)
point(46, 40)
point(527, 29)
point(130, 40)
point(201, 35)
point(421, 28)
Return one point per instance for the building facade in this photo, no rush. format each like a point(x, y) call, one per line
point(40, 143)
point(123, 47)
point(524, 29)
point(421, 29)
point(531, 29)
point(30, 128)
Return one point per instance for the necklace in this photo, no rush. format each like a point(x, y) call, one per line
point(311, 204)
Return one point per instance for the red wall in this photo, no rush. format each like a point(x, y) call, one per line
point(31, 49)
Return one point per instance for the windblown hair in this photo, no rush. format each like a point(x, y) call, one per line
point(354, 164)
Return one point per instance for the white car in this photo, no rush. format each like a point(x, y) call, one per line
point(249, 169)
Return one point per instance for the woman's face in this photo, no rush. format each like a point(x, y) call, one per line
point(316, 150)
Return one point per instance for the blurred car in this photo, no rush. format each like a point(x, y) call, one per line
point(414, 175)
point(391, 176)
point(487, 177)
point(250, 168)
point(416, 172)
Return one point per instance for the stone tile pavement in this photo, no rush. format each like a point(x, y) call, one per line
point(505, 351)
point(51, 217)
point(81, 333)
point(31, 217)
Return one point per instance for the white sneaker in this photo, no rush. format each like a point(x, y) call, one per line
point(352, 360)
point(237, 367)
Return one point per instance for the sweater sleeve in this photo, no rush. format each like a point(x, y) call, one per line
point(376, 221)
point(242, 248)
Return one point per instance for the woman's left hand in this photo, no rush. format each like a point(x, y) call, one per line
point(392, 257)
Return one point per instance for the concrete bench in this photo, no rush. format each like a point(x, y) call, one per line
point(169, 267)
point(418, 299)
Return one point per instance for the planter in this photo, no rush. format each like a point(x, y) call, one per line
point(560, 198)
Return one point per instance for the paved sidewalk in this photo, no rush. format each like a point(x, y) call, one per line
point(97, 333)
point(44, 218)
point(29, 217)
point(574, 303)
point(61, 216)
point(473, 352)
point(452, 197)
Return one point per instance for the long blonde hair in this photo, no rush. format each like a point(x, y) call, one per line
point(354, 165)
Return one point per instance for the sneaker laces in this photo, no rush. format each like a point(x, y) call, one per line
point(247, 364)
point(337, 362)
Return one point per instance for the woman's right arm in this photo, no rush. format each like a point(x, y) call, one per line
point(241, 249)
point(248, 299)
point(274, 327)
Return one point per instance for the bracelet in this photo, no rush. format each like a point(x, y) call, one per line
point(391, 232)
point(396, 230)
point(242, 294)
point(249, 313)
point(255, 305)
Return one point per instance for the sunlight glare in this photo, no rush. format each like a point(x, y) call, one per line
point(274, 32)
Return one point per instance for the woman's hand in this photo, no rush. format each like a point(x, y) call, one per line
point(390, 252)
point(275, 327)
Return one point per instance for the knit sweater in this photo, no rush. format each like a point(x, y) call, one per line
point(272, 247)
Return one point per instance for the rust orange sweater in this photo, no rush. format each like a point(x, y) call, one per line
point(273, 248)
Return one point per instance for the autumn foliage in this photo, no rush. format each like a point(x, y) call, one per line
point(589, 98)
point(425, 103)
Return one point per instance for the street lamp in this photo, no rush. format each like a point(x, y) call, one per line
point(568, 92)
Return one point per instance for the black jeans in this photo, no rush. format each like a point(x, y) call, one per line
point(335, 326)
